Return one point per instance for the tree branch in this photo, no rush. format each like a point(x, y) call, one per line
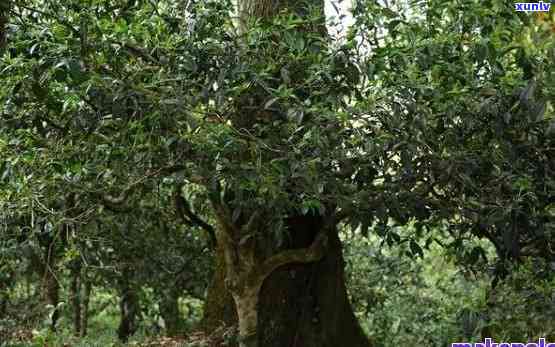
point(315, 252)
point(4, 10)
point(51, 16)
point(190, 218)
point(136, 51)
point(115, 203)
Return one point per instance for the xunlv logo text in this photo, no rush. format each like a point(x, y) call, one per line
point(532, 6)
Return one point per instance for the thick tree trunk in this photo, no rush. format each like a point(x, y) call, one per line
point(308, 305)
point(219, 307)
point(299, 305)
point(246, 304)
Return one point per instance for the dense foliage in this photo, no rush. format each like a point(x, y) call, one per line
point(138, 136)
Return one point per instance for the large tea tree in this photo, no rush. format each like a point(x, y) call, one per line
point(102, 99)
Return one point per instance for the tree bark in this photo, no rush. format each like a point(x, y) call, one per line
point(46, 268)
point(52, 293)
point(43, 263)
point(248, 264)
point(129, 308)
point(4, 12)
point(5, 285)
point(308, 305)
point(169, 310)
point(299, 304)
point(75, 296)
point(3, 307)
point(246, 303)
point(87, 287)
point(219, 307)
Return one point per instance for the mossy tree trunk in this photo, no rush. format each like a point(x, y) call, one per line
point(308, 305)
point(246, 269)
point(219, 308)
point(298, 304)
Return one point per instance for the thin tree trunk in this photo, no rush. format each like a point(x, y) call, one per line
point(4, 289)
point(129, 308)
point(3, 304)
point(4, 12)
point(45, 267)
point(50, 285)
point(87, 287)
point(75, 296)
point(53, 246)
point(52, 290)
point(169, 310)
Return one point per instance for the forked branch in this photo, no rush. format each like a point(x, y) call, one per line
point(315, 252)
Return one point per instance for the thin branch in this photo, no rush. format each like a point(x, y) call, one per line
point(51, 16)
point(190, 218)
point(136, 51)
point(114, 203)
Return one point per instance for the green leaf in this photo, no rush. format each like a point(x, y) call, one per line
point(528, 92)
point(121, 26)
point(538, 111)
point(364, 229)
point(416, 249)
